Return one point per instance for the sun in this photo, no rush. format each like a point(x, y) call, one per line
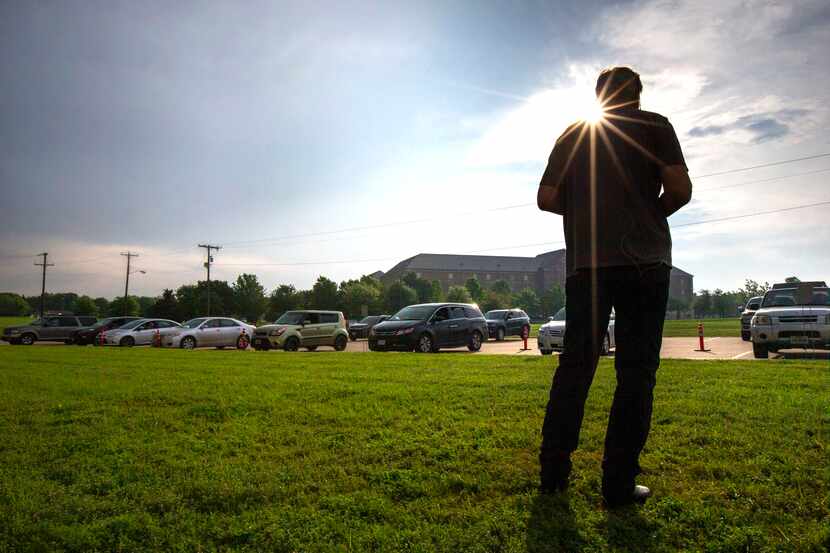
point(593, 112)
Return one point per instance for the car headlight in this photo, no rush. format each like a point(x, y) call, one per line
point(14, 331)
point(277, 332)
point(761, 320)
point(404, 331)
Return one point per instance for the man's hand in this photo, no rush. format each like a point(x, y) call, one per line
point(549, 199)
point(677, 188)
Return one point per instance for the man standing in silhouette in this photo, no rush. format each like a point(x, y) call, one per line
point(605, 179)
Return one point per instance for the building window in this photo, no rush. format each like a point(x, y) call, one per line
point(487, 277)
point(417, 275)
point(450, 276)
point(525, 278)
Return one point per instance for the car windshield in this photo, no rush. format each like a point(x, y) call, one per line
point(102, 322)
point(495, 314)
point(291, 318)
point(193, 323)
point(560, 315)
point(368, 320)
point(414, 313)
point(785, 297)
point(132, 324)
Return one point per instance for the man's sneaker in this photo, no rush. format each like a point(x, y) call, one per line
point(639, 495)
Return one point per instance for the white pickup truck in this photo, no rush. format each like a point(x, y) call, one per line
point(792, 316)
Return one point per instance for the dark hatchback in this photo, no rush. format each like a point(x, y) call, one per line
point(361, 328)
point(507, 322)
point(429, 327)
point(91, 334)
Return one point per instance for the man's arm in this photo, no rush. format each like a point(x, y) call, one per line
point(549, 198)
point(677, 188)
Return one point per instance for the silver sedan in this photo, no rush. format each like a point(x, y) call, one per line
point(140, 333)
point(211, 332)
point(552, 334)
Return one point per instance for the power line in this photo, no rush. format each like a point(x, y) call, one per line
point(782, 177)
point(771, 164)
point(535, 244)
point(43, 264)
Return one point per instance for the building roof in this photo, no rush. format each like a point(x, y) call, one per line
point(474, 263)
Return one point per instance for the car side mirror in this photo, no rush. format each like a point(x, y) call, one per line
point(550, 318)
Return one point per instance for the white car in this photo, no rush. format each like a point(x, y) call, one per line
point(792, 316)
point(140, 332)
point(552, 334)
point(211, 332)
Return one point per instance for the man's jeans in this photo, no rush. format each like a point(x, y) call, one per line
point(639, 297)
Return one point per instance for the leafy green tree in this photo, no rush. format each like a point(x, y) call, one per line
point(145, 303)
point(492, 300)
point(752, 289)
point(324, 294)
point(121, 307)
point(437, 293)
point(356, 295)
point(676, 305)
point(166, 307)
point(703, 303)
point(459, 294)
point(103, 305)
point(792, 280)
point(473, 286)
point(501, 287)
point(193, 299)
point(422, 287)
point(399, 295)
point(529, 301)
point(249, 297)
point(552, 300)
point(85, 306)
point(13, 305)
point(284, 298)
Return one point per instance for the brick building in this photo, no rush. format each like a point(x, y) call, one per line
point(538, 273)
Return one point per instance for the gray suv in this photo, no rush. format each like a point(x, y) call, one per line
point(52, 328)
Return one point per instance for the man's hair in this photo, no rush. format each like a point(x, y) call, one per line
point(618, 86)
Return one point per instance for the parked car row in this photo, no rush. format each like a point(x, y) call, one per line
point(552, 334)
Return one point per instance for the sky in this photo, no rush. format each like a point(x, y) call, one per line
point(340, 138)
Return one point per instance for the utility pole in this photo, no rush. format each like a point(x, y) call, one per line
point(129, 256)
point(209, 247)
point(43, 283)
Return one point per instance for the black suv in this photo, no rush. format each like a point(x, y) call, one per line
point(91, 334)
point(506, 322)
point(361, 328)
point(428, 327)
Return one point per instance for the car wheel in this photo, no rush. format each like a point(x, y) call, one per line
point(188, 342)
point(760, 351)
point(127, 342)
point(340, 343)
point(546, 351)
point(475, 341)
point(424, 344)
point(745, 336)
point(291, 344)
point(243, 342)
point(606, 346)
point(27, 339)
point(500, 335)
point(311, 348)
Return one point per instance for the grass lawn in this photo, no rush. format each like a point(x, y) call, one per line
point(128, 449)
point(730, 327)
point(14, 321)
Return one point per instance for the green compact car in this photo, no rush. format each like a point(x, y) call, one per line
point(303, 329)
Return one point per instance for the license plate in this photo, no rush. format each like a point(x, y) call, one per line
point(381, 342)
point(799, 340)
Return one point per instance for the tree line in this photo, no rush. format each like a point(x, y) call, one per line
point(247, 299)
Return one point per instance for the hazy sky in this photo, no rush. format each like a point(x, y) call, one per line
point(155, 127)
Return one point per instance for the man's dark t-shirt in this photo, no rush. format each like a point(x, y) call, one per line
point(610, 189)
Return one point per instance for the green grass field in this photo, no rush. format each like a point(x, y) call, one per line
point(688, 328)
point(14, 321)
point(139, 449)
